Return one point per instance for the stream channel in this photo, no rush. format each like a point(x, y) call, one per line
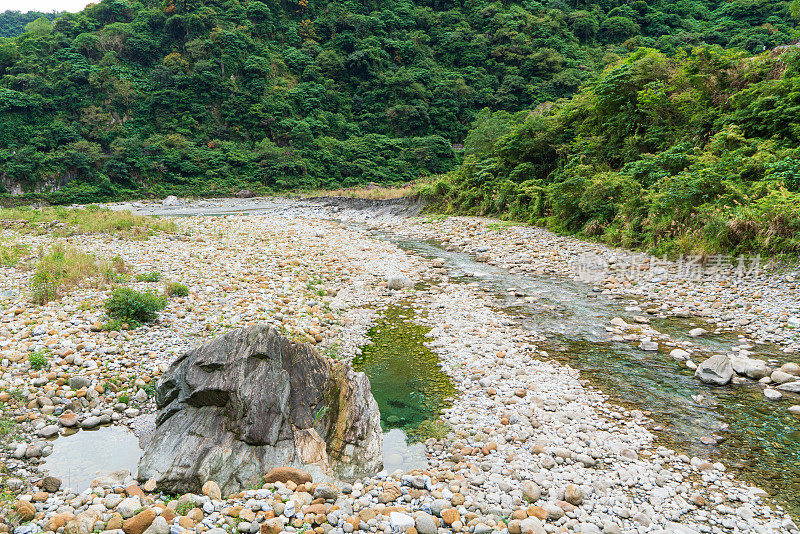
point(757, 438)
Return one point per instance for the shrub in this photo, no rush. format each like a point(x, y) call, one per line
point(176, 289)
point(38, 360)
point(155, 276)
point(134, 307)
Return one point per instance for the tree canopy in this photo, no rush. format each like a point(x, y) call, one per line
point(156, 96)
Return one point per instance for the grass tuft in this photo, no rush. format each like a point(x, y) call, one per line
point(62, 269)
point(155, 276)
point(176, 289)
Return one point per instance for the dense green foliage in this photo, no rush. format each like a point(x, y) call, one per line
point(14, 23)
point(133, 96)
point(134, 307)
point(695, 152)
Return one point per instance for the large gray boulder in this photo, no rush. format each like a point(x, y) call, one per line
point(750, 367)
point(717, 370)
point(251, 400)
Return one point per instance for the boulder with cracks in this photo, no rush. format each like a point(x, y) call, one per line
point(251, 400)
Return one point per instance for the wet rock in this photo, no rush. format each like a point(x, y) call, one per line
point(790, 387)
point(51, 484)
point(68, 419)
point(251, 400)
point(48, 431)
point(780, 377)
point(791, 368)
point(716, 370)
point(679, 354)
point(697, 332)
point(772, 394)
point(752, 368)
point(648, 345)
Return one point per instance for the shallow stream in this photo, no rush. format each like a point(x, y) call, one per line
point(756, 437)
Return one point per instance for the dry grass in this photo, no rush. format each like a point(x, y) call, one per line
point(64, 268)
point(61, 222)
point(372, 191)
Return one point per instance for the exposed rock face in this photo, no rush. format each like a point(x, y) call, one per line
point(716, 370)
point(251, 400)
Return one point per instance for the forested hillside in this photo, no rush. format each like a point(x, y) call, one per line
point(183, 96)
point(692, 153)
point(12, 23)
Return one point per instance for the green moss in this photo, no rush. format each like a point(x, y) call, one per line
point(407, 382)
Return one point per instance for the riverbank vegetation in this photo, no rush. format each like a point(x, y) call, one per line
point(150, 97)
point(693, 152)
point(62, 221)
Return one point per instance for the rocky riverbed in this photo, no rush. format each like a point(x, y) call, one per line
point(531, 447)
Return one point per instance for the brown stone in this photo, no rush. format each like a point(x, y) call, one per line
point(537, 511)
point(25, 510)
point(139, 523)
point(285, 474)
point(40, 496)
point(51, 484)
point(450, 516)
point(272, 526)
point(315, 509)
point(366, 514)
point(115, 522)
point(196, 514)
point(168, 514)
point(59, 520)
point(186, 522)
point(458, 499)
point(519, 514)
point(134, 491)
point(212, 491)
point(564, 505)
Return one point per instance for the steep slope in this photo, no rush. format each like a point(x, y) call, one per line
point(695, 153)
point(199, 97)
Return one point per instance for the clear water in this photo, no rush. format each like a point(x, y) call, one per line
point(81, 457)
point(757, 438)
point(407, 383)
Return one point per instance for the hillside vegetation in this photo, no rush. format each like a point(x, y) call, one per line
point(181, 96)
point(692, 152)
point(14, 23)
